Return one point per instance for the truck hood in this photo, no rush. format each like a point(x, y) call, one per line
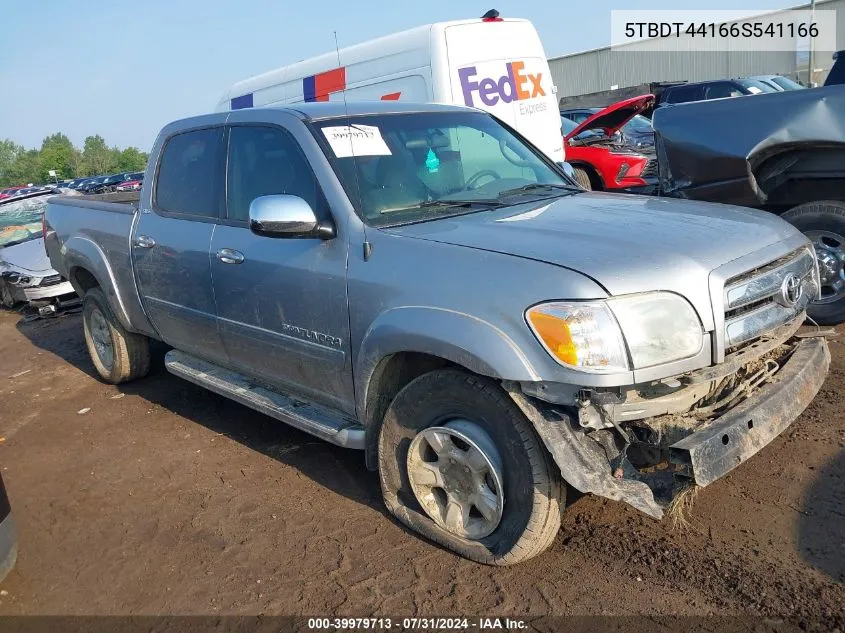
point(625, 243)
point(29, 257)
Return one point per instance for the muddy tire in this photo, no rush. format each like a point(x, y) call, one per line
point(485, 455)
point(6, 298)
point(118, 356)
point(824, 224)
point(583, 178)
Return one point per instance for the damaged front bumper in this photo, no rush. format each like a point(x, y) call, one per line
point(589, 461)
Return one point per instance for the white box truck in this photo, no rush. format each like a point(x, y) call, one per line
point(492, 63)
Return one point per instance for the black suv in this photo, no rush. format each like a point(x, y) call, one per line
point(836, 75)
point(706, 90)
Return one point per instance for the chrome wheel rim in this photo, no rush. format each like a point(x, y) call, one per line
point(101, 336)
point(830, 250)
point(455, 472)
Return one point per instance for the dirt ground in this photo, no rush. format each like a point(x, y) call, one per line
point(159, 497)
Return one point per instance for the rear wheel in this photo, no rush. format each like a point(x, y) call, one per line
point(824, 224)
point(118, 355)
point(461, 465)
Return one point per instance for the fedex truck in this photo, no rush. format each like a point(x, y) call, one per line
point(491, 63)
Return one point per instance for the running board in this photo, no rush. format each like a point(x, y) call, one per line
point(305, 416)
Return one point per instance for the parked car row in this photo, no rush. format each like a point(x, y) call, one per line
point(24, 190)
point(125, 181)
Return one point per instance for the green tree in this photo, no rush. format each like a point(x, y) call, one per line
point(131, 159)
point(9, 153)
point(96, 157)
point(26, 167)
point(21, 166)
point(57, 152)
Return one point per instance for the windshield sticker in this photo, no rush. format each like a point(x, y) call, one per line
point(356, 140)
point(754, 90)
point(432, 163)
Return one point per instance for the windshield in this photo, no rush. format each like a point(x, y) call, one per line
point(638, 124)
point(567, 126)
point(422, 166)
point(21, 221)
point(755, 87)
point(786, 83)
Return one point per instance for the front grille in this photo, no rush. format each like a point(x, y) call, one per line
point(52, 280)
point(650, 169)
point(762, 299)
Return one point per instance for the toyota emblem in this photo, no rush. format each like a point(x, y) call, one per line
point(791, 290)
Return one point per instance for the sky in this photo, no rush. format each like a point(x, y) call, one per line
point(124, 69)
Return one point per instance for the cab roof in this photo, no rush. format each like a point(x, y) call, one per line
point(333, 109)
point(315, 112)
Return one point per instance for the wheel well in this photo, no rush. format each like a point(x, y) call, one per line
point(596, 181)
point(82, 280)
point(390, 376)
point(799, 175)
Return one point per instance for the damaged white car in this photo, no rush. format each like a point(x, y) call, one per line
point(26, 275)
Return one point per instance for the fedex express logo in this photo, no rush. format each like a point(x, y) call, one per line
point(514, 85)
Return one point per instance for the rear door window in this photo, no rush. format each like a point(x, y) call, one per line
point(683, 94)
point(722, 90)
point(188, 173)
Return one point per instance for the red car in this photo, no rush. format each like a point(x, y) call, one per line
point(8, 193)
point(130, 185)
point(601, 157)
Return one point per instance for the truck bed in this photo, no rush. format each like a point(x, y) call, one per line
point(93, 234)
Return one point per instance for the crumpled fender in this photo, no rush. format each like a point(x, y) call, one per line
point(582, 462)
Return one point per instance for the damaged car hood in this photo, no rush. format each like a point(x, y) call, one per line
point(614, 117)
point(29, 257)
point(625, 243)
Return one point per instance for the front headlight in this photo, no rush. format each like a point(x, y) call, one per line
point(659, 327)
point(601, 336)
point(582, 335)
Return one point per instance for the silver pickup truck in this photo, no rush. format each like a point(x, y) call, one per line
point(420, 283)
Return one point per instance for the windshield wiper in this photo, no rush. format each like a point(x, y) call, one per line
point(538, 186)
point(450, 204)
point(459, 203)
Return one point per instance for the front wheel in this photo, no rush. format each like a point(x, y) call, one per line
point(583, 178)
point(824, 224)
point(6, 297)
point(460, 464)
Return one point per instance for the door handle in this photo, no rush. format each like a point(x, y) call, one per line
point(230, 256)
point(143, 241)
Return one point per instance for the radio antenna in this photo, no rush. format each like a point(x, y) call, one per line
point(368, 249)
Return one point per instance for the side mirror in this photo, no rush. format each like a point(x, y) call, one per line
point(282, 215)
point(567, 169)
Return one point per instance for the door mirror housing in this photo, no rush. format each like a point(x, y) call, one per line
point(567, 169)
point(282, 215)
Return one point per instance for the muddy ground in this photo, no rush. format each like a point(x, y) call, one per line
point(158, 497)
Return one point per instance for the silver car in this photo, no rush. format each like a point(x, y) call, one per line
point(25, 272)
